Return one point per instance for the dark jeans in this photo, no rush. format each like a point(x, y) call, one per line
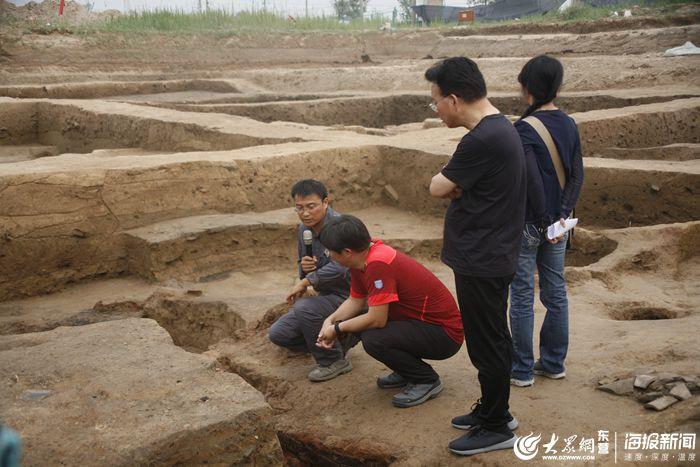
point(401, 346)
point(483, 302)
point(537, 252)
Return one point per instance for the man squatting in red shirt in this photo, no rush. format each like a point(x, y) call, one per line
point(411, 313)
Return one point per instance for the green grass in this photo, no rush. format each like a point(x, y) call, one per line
point(224, 23)
point(220, 21)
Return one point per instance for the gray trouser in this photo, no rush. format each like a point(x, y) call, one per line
point(298, 329)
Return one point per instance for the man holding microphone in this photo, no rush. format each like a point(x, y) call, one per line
point(298, 329)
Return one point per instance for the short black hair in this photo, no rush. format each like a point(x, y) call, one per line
point(345, 232)
point(308, 187)
point(459, 76)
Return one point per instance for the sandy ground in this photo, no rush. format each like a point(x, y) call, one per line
point(142, 186)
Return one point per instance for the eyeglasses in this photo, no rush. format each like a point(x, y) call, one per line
point(433, 105)
point(308, 208)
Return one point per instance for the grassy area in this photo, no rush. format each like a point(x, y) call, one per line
point(223, 21)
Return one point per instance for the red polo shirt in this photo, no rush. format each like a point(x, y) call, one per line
point(411, 291)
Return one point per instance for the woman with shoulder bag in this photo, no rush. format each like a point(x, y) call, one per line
point(555, 175)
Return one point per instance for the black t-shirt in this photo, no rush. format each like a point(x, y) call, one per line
point(484, 226)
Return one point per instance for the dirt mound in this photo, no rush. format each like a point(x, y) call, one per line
point(47, 11)
point(7, 8)
point(130, 366)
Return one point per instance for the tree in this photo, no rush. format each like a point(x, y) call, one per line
point(406, 10)
point(350, 8)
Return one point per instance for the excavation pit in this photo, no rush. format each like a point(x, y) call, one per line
point(204, 218)
point(371, 112)
point(588, 248)
point(670, 152)
point(307, 449)
point(156, 90)
point(621, 194)
point(640, 312)
point(194, 325)
point(75, 129)
point(244, 98)
point(21, 153)
point(383, 110)
point(642, 126)
point(146, 228)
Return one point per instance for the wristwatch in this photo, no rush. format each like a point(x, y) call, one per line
point(336, 326)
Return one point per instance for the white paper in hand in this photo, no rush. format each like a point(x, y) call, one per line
point(557, 230)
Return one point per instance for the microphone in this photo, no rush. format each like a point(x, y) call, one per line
point(308, 239)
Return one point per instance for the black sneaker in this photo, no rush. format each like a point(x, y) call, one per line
point(482, 440)
point(393, 380)
point(471, 420)
point(415, 394)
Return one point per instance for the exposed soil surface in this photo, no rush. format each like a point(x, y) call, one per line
point(147, 238)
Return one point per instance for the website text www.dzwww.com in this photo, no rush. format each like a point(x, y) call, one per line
point(568, 458)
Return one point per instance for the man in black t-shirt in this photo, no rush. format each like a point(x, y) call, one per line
point(486, 181)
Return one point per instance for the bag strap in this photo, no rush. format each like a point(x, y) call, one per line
point(541, 130)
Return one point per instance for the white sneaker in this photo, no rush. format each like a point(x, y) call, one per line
point(538, 370)
point(522, 383)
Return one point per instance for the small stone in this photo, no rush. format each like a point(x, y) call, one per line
point(621, 387)
point(391, 193)
point(656, 386)
point(649, 396)
point(662, 403)
point(655, 188)
point(643, 381)
point(606, 380)
point(692, 383)
point(79, 233)
point(35, 394)
point(668, 377)
point(680, 391)
point(194, 292)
